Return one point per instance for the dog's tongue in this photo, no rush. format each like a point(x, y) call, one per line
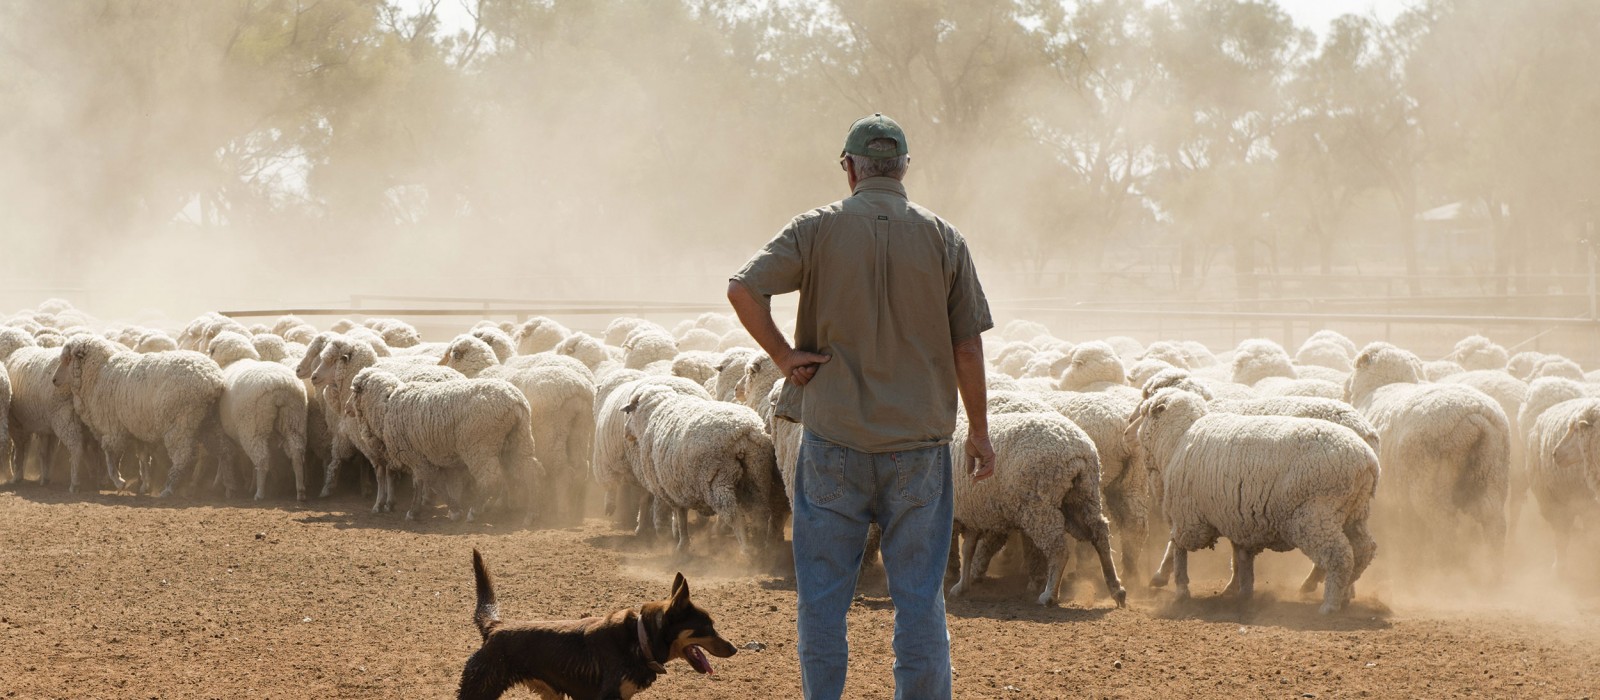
point(697, 658)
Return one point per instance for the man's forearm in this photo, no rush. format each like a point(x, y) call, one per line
point(757, 320)
point(972, 382)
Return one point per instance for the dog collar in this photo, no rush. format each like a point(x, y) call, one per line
point(644, 644)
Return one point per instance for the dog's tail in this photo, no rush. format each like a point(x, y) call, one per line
point(487, 615)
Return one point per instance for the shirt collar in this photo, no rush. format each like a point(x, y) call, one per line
point(881, 184)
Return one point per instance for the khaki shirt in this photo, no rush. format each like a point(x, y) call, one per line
point(885, 287)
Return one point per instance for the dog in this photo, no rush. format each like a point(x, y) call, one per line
point(595, 658)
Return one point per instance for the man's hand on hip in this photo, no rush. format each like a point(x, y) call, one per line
point(799, 366)
point(979, 460)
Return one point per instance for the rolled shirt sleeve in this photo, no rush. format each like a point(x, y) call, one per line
point(967, 306)
point(775, 269)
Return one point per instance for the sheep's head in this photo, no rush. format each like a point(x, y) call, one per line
point(1160, 422)
point(1477, 352)
point(12, 340)
point(468, 355)
point(1379, 365)
point(497, 341)
point(401, 336)
point(75, 356)
point(229, 347)
point(1091, 363)
point(1174, 378)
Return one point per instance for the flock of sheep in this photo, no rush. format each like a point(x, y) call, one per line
point(1267, 449)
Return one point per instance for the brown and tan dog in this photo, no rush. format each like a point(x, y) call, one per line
point(595, 658)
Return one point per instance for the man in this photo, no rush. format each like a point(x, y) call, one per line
point(887, 333)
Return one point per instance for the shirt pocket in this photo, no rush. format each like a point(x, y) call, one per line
point(821, 464)
point(919, 475)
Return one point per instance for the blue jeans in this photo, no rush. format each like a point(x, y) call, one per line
point(838, 492)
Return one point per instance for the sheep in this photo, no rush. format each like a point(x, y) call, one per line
point(7, 458)
point(730, 370)
point(335, 368)
point(481, 426)
point(39, 410)
point(1207, 388)
point(1330, 337)
point(760, 373)
point(1522, 364)
point(1565, 468)
point(585, 349)
point(1263, 482)
point(716, 323)
point(708, 455)
point(1045, 363)
point(269, 347)
point(261, 400)
point(1046, 483)
point(286, 322)
point(610, 465)
point(1142, 370)
point(1257, 359)
point(1124, 492)
point(562, 402)
point(1479, 353)
point(1092, 366)
point(1445, 447)
point(539, 334)
point(166, 399)
point(154, 342)
point(619, 329)
point(1167, 351)
point(1125, 346)
point(1438, 370)
point(699, 339)
point(697, 365)
point(300, 334)
point(1541, 395)
point(504, 347)
point(1557, 366)
point(737, 338)
point(996, 381)
point(648, 344)
point(1018, 330)
point(1012, 357)
point(1323, 353)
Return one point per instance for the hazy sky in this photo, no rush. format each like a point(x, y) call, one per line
point(1316, 14)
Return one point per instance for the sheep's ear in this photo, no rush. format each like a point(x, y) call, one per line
point(1158, 408)
point(1585, 424)
point(632, 406)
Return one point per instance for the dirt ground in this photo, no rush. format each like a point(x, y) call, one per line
point(113, 596)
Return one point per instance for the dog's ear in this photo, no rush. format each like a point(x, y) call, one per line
point(680, 592)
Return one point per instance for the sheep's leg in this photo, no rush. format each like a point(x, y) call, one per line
point(1244, 562)
point(1364, 548)
point(341, 450)
point(1164, 571)
point(47, 449)
point(19, 458)
point(295, 446)
point(989, 546)
point(969, 549)
point(1233, 569)
point(1561, 523)
point(385, 499)
point(75, 462)
point(1313, 580)
point(1338, 560)
point(726, 506)
point(1047, 534)
point(421, 478)
point(182, 451)
point(260, 456)
point(647, 527)
point(1180, 569)
point(682, 529)
point(113, 456)
point(1100, 537)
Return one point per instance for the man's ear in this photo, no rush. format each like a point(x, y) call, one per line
point(680, 592)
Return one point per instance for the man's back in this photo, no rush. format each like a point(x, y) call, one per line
point(885, 286)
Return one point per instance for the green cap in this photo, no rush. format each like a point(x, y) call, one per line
point(868, 129)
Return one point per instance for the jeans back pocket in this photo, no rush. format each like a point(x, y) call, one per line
point(920, 474)
point(820, 467)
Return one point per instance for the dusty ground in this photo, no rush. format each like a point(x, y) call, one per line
point(112, 596)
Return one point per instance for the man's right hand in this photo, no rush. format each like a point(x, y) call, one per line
point(799, 366)
point(979, 460)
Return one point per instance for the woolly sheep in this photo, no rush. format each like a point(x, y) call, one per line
point(1012, 357)
point(1334, 338)
point(1091, 366)
point(1438, 370)
point(154, 342)
point(481, 426)
point(1198, 355)
point(300, 334)
point(1323, 373)
point(1445, 447)
point(1023, 331)
point(1281, 386)
point(699, 339)
point(1521, 365)
point(1565, 468)
point(261, 401)
point(1541, 395)
point(341, 358)
point(1123, 488)
point(736, 338)
point(585, 349)
point(39, 410)
point(700, 366)
point(1125, 346)
point(716, 323)
point(730, 370)
point(268, 346)
point(1557, 366)
point(760, 373)
point(561, 401)
point(648, 344)
point(1045, 363)
point(1256, 359)
point(1323, 353)
point(611, 467)
point(1263, 482)
point(504, 347)
point(286, 322)
point(539, 334)
point(1046, 483)
point(1477, 353)
point(1168, 352)
point(164, 399)
point(711, 456)
point(619, 329)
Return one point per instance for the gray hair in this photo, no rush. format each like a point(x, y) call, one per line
point(865, 167)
